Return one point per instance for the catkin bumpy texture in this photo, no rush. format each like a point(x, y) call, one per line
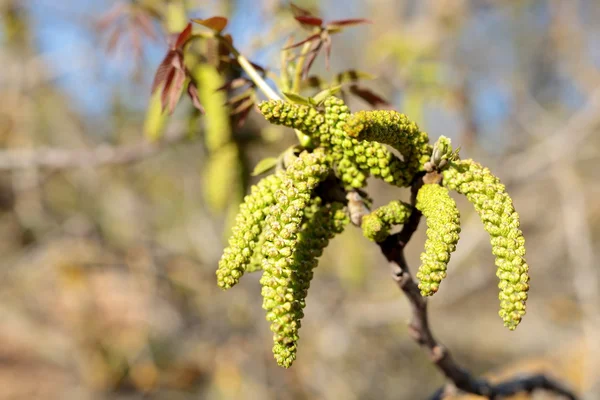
point(297, 230)
point(354, 160)
point(249, 223)
point(443, 228)
point(377, 225)
point(501, 221)
point(396, 130)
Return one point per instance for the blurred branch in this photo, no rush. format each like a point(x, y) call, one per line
point(562, 144)
point(393, 250)
point(54, 158)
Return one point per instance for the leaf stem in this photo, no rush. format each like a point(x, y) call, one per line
point(299, 67)
point(255, 76)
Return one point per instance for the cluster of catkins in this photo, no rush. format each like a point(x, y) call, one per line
point(284, 224)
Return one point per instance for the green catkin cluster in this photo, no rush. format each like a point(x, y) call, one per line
point(255, 263)
point(287, 265)
point(304, 118)
point(248, 226)
point(222, 179)
point(350, 175)
point(285, 289)
point(443, 228)
point(354, 160)
point(282, 228)
point(501, 221)
point(393, 129)
point(283, 225)
point(378, 224)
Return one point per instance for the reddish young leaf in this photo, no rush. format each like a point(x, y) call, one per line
point(217, 24)
point(163, 70)
point(165, 95)
point(369, 96)
point(310, 59)
point(349, 22)
point(242, 116)
point(174, 90)
point(309, 21)
point(192, 91)
point(300, 43)
point(224, 49)
point(183, 37)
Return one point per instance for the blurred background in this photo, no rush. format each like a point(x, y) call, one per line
point(109, 241)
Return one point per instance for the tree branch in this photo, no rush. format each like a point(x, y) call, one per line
point(53, 158)
point(393, 250)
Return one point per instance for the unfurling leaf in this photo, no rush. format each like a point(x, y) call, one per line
point(171, 73)
point(264, 165)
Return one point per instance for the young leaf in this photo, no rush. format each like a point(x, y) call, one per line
point(309, 21)
point(308, 39)
point(192, 91)
point(322, 95)
point(349, 22)
point(312, 55)
point(296, 98)
point(264, 165)
point(217, 24)
point(183, 37)
point(368, 95)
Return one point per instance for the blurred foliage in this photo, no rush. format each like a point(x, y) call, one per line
point(107, 277)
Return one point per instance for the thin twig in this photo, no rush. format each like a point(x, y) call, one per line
point(419, 329)
point(53, 158)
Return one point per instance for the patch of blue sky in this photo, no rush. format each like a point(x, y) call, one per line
point(65, 33)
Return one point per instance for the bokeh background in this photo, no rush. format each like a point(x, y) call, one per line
point(109, 242)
